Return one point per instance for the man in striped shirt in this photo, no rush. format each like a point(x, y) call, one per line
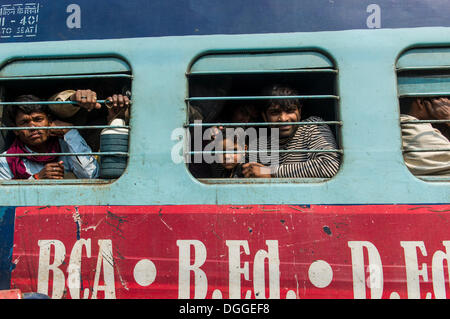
point(295, 137)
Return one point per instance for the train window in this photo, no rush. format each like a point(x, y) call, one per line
point(423, 77)
point(263, 117)
point(77, 141)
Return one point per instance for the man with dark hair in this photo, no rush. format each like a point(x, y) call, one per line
point(295, 137)
point(425, 135)
point(29, 141)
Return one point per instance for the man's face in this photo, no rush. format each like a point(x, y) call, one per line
point(32, 138)
point(275, 113)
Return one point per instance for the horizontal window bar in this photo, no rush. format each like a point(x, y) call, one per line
point(223, 98)
point(46, 102)
point(272, 180)
point(426, 150)
point(262, 124)
point(424, 121)
point(423, 68)
point(261, 71)
point(86, 127)
point(66, 77)
point(429, 94)
point(66, 154)
point(265, 151)
point(55, 181)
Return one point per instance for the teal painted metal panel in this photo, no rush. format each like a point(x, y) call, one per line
point(412, 83)
point(423, 86)
point(372, 171)
point(46, 67)
point(424, 58)
point(261, 61)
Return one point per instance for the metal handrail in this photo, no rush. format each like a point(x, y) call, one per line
point(67, 154)
point(422, 68)
point(47, 102)
point(68, 77)
point(17, 128)
point(108, 103)
point(410, 150)
point(423, 121)
point(66, 181)
point(427, 94)
point(263, 124)
point(269, 151)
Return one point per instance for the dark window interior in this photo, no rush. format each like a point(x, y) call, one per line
point(251, 84)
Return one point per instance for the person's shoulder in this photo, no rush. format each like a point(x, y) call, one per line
point(314, 118)
point(3, 160)
point(313, 128)
point(407, 117)
point(71, 135)
point(413, 129)
point(404, 117)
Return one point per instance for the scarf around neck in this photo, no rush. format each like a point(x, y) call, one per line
point(16, 164)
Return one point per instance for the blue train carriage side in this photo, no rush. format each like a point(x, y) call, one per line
point(159, 228)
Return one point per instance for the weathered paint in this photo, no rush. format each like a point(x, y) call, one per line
point(250, 251)
point(11, 294)
point(6, 245)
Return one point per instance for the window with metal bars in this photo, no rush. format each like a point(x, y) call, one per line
point(423, 77)
point(52, 80)
point(229, 91)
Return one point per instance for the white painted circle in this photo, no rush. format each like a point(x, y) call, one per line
point(144, 272)
point(291, 294)
point(394, 295)
point(217, 294)
point(320, 274)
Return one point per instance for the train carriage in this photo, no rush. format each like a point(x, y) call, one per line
point(158, 230)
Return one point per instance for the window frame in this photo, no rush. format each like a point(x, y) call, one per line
point(423, 72)
point(322, 64)
point(56, 68)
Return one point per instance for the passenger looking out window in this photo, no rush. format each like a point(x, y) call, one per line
point(236, 113)
point(426, 135)
point(234, 157)
point(232, 113)
point(55, 140)
point(293, 137)
point(44, 141)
